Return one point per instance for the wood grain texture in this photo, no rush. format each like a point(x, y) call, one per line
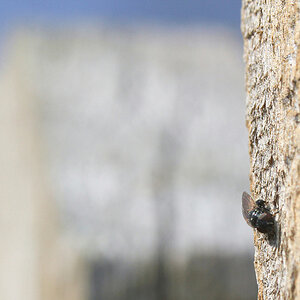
point(271, 52)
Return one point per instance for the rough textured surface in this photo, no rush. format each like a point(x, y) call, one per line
point(271, 43)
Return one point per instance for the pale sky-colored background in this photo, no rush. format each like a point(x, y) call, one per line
point(224, 13)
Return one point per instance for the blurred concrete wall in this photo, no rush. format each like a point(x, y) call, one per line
point(144, 136)
point(145, 126)
point(37, 262)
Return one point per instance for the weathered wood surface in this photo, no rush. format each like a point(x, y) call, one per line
point(271, 51)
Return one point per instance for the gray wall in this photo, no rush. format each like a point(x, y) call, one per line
point(146, 146)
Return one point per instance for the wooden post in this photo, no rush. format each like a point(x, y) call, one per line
point(271, 50)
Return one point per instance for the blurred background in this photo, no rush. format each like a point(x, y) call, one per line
point(123, 151)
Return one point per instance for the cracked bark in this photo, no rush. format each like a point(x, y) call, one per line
point(271, 52)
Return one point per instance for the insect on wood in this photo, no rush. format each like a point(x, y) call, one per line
point(256, 214)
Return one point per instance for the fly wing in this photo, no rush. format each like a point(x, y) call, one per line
point(248, 205)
